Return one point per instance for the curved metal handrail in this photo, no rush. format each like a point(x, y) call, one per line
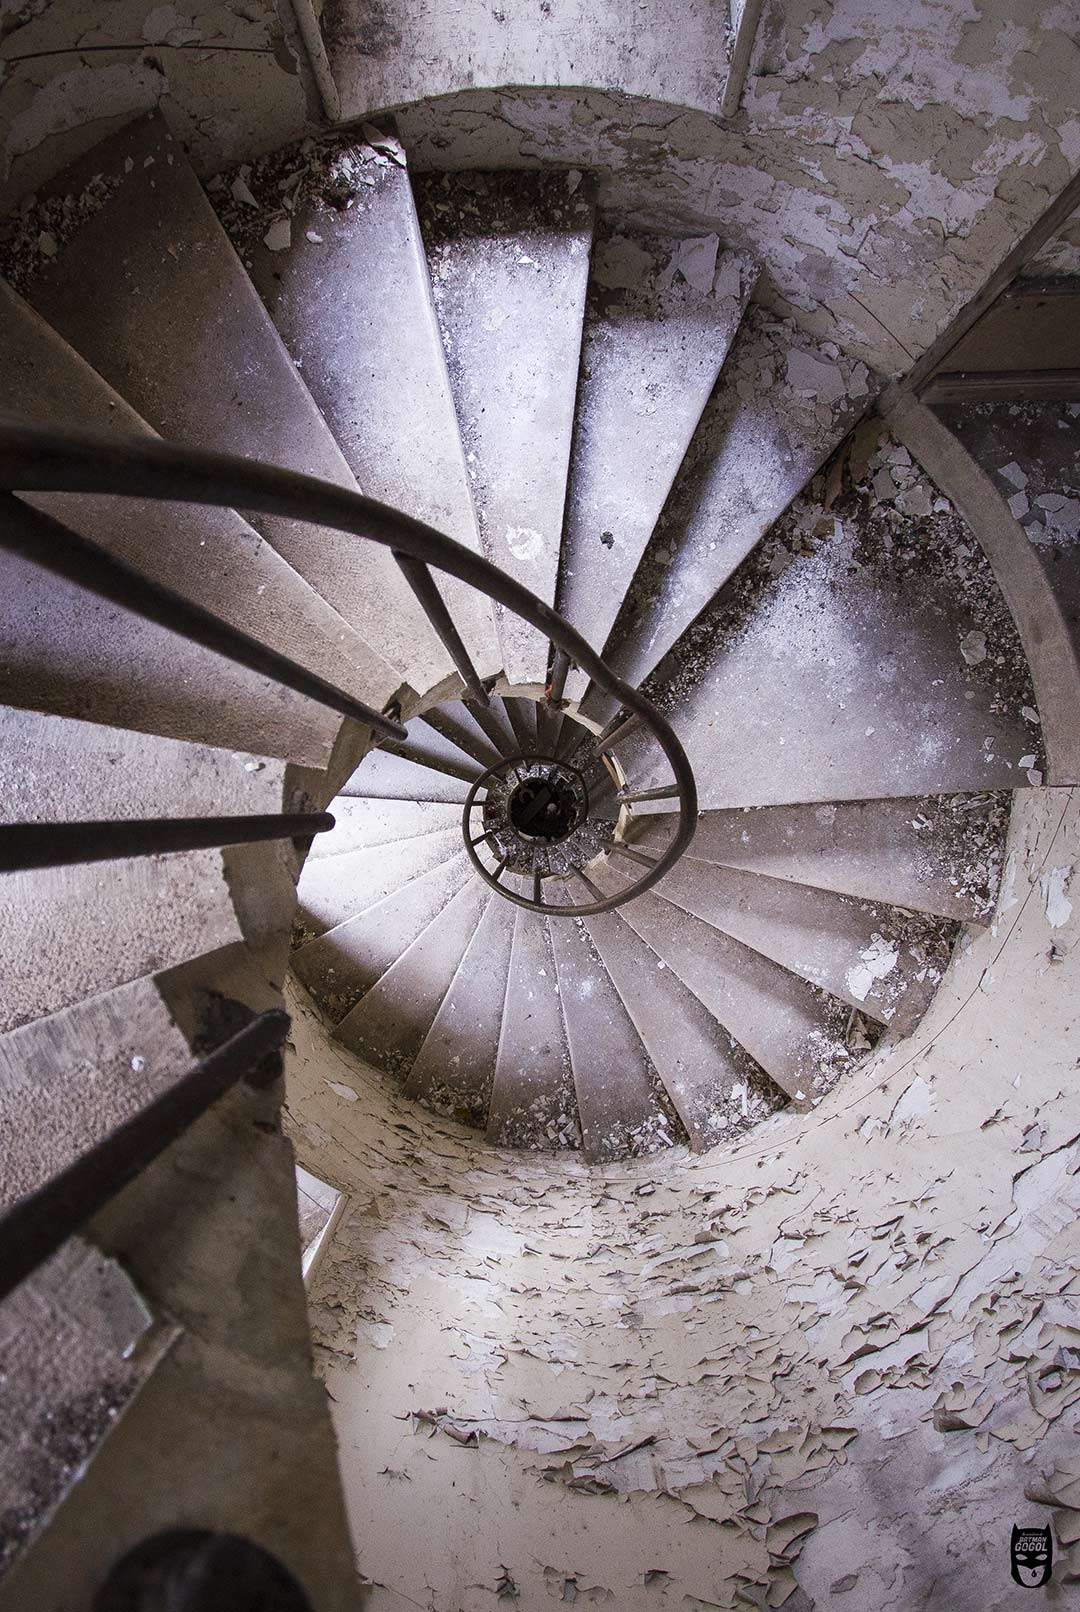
point(39, 459)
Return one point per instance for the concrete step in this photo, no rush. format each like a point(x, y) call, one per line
point(69, 654)
point(385, 776)
point(521, 715)
point(455, 1070)
point(72, 932)
point(351, 297)
point(54, 770)
point(342, 964)
point(779, 408)
point(494, 723)
point(509, 259)
point(877, 959)
point(334, 889)
point(656, 335)
point(717, 1089)
point(458, 725)
point(795, 1032)
point(363, 824)
point(938, 854)
point(150, 292)
point(427, 747)
point(615, 1082)
point(533, 1102)
point(388, 1027)
point(211, 556)
point(900, 668)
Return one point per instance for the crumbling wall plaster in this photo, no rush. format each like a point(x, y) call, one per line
point(886, 157)
point(831, 1366)
point(73, 70)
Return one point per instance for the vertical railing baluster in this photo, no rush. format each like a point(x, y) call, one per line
point(423, 585)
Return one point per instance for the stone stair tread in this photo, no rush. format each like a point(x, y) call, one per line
point(367, 343)
point(875, 958)
point(124, 774)
point(344, 962)
point(457, 724)
point(426, 746)
point(363, 824)
point(915, 853)
point(715, 1086)
point(382, 775)
point(494, 722)
point(521, 715)
point(72, 932)
point(69, 654)
point(455, 1069)
point(208, 555)
point(617, 1102)
point(509, 260)
point(335, 889)
point(779, 408)
point(388, 1027)
point(533, 1102)
point(653, 346)
point(150, 292)
point(794, 1032)
point(880, 701)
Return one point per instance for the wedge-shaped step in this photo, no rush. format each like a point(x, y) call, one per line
point(334, 889)
point(494, 722)
point(933, 854)
point(427, 747)
point(533, 1103)
point(362, 824)
point(66, 653)
point(342, 964)
point(77, 1342)
point(388, 1027)
point(885, 962)
point(866, 640)
point(618, 1105)
point(793, 1031)
point(385, 776)
point(333, 246)
point(660, 317)
point(456, 723)
point(53, 770)
point(150, 292)
point(521, 715)
point(718, 1091)
point(455, 1070)
point(71, 932)
point(509, 256)
point(779, 408)
point(207, 555)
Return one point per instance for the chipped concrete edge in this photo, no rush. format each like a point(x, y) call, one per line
point(1044, 632)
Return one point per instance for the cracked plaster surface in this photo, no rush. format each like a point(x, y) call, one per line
point(837, 1360)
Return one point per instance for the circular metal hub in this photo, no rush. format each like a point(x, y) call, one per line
point(547, 806)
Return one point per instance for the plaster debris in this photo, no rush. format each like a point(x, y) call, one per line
point(1057, 905)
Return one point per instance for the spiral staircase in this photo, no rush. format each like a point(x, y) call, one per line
point(800, 642)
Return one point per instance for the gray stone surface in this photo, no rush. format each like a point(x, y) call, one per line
point(533, 1103)
point(779, 408)
point(792, 1030)
point(343, 963)
point(385, 776)
point(334, 889)
point(660, 317)
point(875, 958)
point(151, 294)
point(388, 1027)
point(361, 824)
point(455, 1069)
point(616, 1098)
point(929, 853)
point(351, 296)
point(457, 723)
point(509, 258)
point(717, 1090)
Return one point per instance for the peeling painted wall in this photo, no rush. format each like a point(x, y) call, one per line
point(73, 70)
point(830, 1367)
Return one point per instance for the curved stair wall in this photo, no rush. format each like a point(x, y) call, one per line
point(860, 713)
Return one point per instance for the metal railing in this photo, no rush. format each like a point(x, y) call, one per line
point(34, 459)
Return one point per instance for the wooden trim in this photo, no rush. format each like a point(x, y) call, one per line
point(1003, 386)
